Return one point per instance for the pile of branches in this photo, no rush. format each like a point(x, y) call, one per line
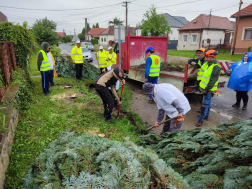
point(65, 67)
point(208, 158)
point(87, 161)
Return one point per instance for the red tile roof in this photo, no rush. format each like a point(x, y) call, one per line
point(94, 32)
point(61, 34)
point(202, 22)
point(3, 18)
point(247, 11)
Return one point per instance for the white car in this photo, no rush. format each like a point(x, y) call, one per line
point(87, 55)
point(89, 45)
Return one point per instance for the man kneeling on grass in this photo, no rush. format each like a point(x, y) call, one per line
point(106, 80)
point(170, 101)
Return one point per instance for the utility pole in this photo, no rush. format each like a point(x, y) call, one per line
point(126, 15)
point(85, 27)
point(236, 28)
point(209, 19)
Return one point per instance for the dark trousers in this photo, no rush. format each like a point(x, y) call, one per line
point(107, 99)
point(171, 126)
point(206, 106)
point(115, 101)
point(45, 81)
point(51, 76)
point(242, 95)
point(102, 69)
point(78, 69)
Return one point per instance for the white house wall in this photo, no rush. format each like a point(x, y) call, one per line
point(214, 35)
point(189, 44)
point(175, 33)
point(107, 37)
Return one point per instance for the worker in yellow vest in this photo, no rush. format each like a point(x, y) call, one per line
point(111, 57)
point(44, 66)
point(101, 57)
point(208, 84)
point(152, 67)
point(77, 57)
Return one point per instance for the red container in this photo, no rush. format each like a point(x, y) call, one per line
point(134, 48)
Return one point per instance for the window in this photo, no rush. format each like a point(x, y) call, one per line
point(185, 38)
point(104, 39)
point(194, 38)
point(101, 39)
point(248, 34)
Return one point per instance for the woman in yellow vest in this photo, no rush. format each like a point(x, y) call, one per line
point(44, 66)
point(152, 67)
point(77, 57)
point(208, 84)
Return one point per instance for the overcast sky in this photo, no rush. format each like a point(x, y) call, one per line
point(101, 11)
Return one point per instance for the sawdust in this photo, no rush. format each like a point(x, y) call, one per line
point(95, 132)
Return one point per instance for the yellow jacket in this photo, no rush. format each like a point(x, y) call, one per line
point(55, 74)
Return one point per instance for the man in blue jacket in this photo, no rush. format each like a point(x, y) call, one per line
point(152, 67)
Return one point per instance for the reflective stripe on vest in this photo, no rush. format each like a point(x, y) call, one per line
point(155, 66)
point(102, 58)
point(201, 70)
point(206, 78)
point(78, 57)
point(45, 66)
point(111, 57)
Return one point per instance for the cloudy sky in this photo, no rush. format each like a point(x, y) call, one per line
point(70, 14)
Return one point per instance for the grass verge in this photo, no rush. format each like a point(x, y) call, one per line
point(223, 55)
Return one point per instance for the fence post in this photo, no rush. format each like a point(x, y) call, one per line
point(220, 45)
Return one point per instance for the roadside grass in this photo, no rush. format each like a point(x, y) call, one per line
point(48, 116)
point(33, 59)
point(223, 55)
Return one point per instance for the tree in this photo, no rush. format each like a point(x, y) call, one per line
point(44, 30)
point(93, 26)
point(97, 25)
point(88, 29)
point(81, 36)
point(116, 21)
point(154, 24)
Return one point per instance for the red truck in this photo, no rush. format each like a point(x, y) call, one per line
point(133, 54)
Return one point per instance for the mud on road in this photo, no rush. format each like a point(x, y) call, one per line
point(148, 110)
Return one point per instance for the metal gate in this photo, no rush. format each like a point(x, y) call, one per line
point(172, 45)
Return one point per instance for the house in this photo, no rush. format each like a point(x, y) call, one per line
point(108, 35)
point(93, 33)
point(244, 30)
point(61, 34)
point(205, 30)
point(138, 31)
point(3, 18)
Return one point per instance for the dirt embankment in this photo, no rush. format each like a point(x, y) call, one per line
point(168, 67)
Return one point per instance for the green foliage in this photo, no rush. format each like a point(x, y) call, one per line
point(208, 158)
point(94, 41)
point(249, 48)
point(88, 29)
point(154, 24)
point(44, 31)
point(87, 161)
point(116, 21)
point(22, 39)
point(55, 51)
point(97, 25)
point(66, 39)
point(66, 68)
point(81, 36)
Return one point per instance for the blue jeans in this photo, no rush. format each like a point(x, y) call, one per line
point(51, 76)
point(152, 80)
point(45, 81)
point(206, 105)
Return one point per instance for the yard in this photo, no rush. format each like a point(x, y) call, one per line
point(223, 55)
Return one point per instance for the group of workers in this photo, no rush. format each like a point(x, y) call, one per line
point(171, 102)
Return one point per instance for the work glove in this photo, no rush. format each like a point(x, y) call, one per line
point(204, 92)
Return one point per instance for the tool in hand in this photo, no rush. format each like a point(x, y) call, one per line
point(163, 122)
point(119, 107)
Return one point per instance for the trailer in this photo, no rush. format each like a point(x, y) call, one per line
point(133, 54)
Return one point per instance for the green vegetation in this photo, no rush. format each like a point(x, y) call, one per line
point(208, 158)
point(67, 39)
point(22, 39)
point(249, 48)
point(222, 55)
point(86, 161)
point(94, 41)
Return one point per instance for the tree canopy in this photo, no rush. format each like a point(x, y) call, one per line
point(154, 24)
point(88, 29)
point(116, 21)
point(81, 36)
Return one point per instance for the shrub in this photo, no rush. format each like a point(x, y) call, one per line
point(249, 48)
point(55, 51)
point(94, 41)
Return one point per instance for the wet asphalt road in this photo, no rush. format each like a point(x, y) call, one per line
point(221, 111)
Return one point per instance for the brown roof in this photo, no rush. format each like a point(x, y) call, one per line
point(61, 34)
point(247, 11)
point(94, 32)
point(110, 30)
point(3, 18)
point(202, 22)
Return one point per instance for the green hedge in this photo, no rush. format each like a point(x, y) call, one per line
point(94, 41)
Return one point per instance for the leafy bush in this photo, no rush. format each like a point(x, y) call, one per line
point(66, 39)
point(88, 161)
point(209, 158)
point(22, 39)
point(55, 51)
point(249, 48)
point(94, 41)
point(66, 68)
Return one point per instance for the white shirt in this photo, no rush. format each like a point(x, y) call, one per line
point(117, 83)
point(49, 56)
point(165, 94)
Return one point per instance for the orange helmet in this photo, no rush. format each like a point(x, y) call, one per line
point(212, 53)
point(202, 50)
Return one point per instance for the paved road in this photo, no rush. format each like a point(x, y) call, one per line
point(66, 49)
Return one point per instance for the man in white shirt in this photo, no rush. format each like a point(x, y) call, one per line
point(171, 101)
point(51, 71)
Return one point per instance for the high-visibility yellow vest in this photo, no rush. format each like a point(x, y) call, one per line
point(102, 59)
point(206, 78)
point(76, 55)
point(112, 58)
point(155, 66)
point(85, 46)
point(45, 66)
point(201, 70)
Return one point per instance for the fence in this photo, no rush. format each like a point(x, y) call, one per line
point(215, 44)
point(7, 63)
